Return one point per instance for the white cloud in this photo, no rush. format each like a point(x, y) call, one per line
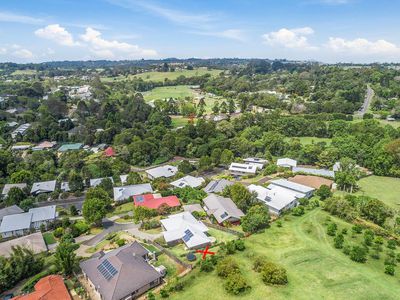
point(112, 49)
point(57, 34)
point(23, 53)
point(233, 34)
point(290, 38)
point(15, 18)
point(3, 51)
point(362, 46)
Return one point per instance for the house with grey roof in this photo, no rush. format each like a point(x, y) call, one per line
point(10, 210)
point(33, 242)
point(43, 215)
point(314, 171)
point(239, 169)
point(125, 192)
point(20, 130)
point(70, 147)
point(16, 225)
point(96, 181)
point(223, 209)
point(7, 187)
point(43, 187)
point(188, 180)
point(258, 162)
point(123, 273)
point(162, 171)
point(217, 186)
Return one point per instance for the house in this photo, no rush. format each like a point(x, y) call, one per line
point(125, 192)
point(123, 273)
point(299, 188)
point(183, 227)
point(217, 186)
point(313, 171)
point(109, 152)
point(223, 209)
point(9, 186)
point(10, 210)
point(12, 124)
point(286, 163)
point(15, 225)
point(188, 180)
point(44, 146)
point(192, 208)
point(70, 147)
point(154, 201)
point(33, 242)
point(64, 187)
point(162, 171)
point(258, 162)
point(311, 181)
point(20, 130)
point(96, 181)
point(240, 169)
point(43, 215)
point(49, 287)
point(20, 147)
point(43, 187)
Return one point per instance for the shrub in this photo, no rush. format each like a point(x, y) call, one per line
point(331, 230)
point(389, 269)
point(357, 229)
point(391, 244)
point(259, 263)
point(324, 192)
point(227, 266)
point(346, 250)
point(239, 244)
point(236, 284)
point(150, 224)
point(206, 265)
point(273, 274)
point(358, 254)
point(150, 296)
point(368, 237)
point(120, 242)
point(58, 232)
point(164, 293)
point(298, 211)
point(338, 241)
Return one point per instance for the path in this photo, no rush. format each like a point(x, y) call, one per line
point(367, 101)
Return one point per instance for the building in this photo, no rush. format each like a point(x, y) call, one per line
point(44, 146)
point(33, 242)
point(217, 186)
point(311, 181)
point(49, 287)
point(64, 186)
point(125, 192)
point(162, 171)
point(188, 180)
point(70, 147)
point(96, 181)
point(223, 209)
point(43, 215)
point(123, 273)
point(183, 227)
point(191, 208)
point(123, 178)
point(313, 171)
point(43, 187)
point(109, 152)
point(20, 130)
point(7, 187)
point(10, 210)
point(154, 201)
point(239, 169)
point(258, 162)
point(286, 162)
point(21, 147)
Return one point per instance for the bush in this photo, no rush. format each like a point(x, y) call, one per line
point(389, 269)
point(150, 296)
point(346, 250)
point(58, 232)
point(227, 266)
point(64, 195)
point(298, 211)
point(338, 241)
point(324, 192)
point(357, 228)
point(273, 274)
point(239, 244)
point(164, 293)
point(259, 263)
point(120, 242)
point(236, 284)
point(331, 230)
point(206, 265)
point(270, 169)
point(150, 224)
point(368, 237)
point(391, 244)
point(358, 254)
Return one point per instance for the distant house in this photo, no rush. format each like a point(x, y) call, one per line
point(21, 147)
point(43, 187)
point(9, 186)
point(313, 171)
point(154, 201)
point(43, 215)
point(44, 146)
point(49, 287)
point(109, 152)
point(70, 147)
point(12, 124)
point(188, 180)
point(312, 181)
point(125, 192)
point(336, 166)
point(10, 210)
point(239, 169)
point(258, 162)
point(217, 186)
point(223, 209)
point(33, 242)
point(183, 227)
point(20, 130)
point(192, 208)
point(286, 162)
point(123, 273)
point(96, 181)
point(162, 171)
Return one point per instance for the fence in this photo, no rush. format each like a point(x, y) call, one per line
point(170, 254)
point(228, 230)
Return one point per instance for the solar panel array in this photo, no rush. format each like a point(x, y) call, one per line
point(140, 198)
point(187, 236)
point(225, 214)
point(107, 270)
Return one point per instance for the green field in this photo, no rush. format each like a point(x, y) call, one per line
point(166, 92)
point(178, 121)
point(386, 189)
point(307, 140)
point(24, 72)
point(316, 270)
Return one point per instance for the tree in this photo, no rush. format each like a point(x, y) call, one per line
point(227, 266)
point(236, 284)
point(73, 211)
point(15, 196)
point(75, 182)
point(273, 274)
point(256, 218)
point(331, 230)
point(231, 106)
point(324, 192)
point(107, 185)
point(215, 108)
point(142, 213)
point(240, 195)
point(216, 156)
point(185, 167)
point(226, 157)
point(94, 210)
point(205, 163)
point(66, 257)
point(347, 175)
point(134, 178)
point(223, 107)
point(358, 254)
point(389, 269)
point(338, 241)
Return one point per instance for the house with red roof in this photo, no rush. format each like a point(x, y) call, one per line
point(109, 152)
point(48, 288)
point(154, 201)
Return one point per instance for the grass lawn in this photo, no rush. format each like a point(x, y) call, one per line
point(24, 72)
point(49, 238)
point(178, 121)
point(178, 91)
point(160, 76)
point(121, 209)
point(386, 189)
point(316, 270)
point(307, 140)
point(173, 268)
point(221, 236)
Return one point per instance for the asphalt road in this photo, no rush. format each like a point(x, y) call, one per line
point(367, 101)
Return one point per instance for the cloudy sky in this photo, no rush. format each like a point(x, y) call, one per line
point(323, 30)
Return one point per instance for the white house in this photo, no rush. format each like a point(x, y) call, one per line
point(286, 162)
point(162, 171)
point(96, 181)
point(242, 169)
point(20, 130)
point(188, 180)
point(125, 192)
point(258, 162)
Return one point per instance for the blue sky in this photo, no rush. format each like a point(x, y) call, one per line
point(324, 30)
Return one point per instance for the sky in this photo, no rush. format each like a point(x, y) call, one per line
point(359, 31)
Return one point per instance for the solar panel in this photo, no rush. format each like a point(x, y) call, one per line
point(140, 198)
point(187, 236)
point(181, 184)
point(107, 269)
point(225, 214)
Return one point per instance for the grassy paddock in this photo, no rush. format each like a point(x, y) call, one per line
point(160, 76)
point(178, 91)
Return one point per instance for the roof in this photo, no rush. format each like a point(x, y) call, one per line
point(65, 186)
point(9, 186)
point(255, 160)
point(43, 187)
point(43, 213)
point(10, 210)
point(311, 181)
point(16, 222)
point(44, 145)
point(217, 186)
point(277, 197)
point(96, 181)
point(291, 185)
point(188, 181)
point(48, 288)
point(286, 162)
point(183, 226)
point(67, 147)
point(120, 272)
point(109, 152)
point(243, 168)
point(162, 171)
point(222, 208)
point(123, 178)
point(34, 242)
point(153, 201)
point(124, 192)
point(313, 171)
point(193, 207)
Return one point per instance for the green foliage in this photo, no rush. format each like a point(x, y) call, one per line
point(392, 244)
point(142, 213)
point(236, 284)
point(240, 195)
point(358, 254)
point(369, 237)
point(389, 269)
point(185, 167)
point(134, 178)
point(187, 194)
point(324, 192)
point(15, 196)
point(66, 257)
point(331, 229)
point(298, 211)
point(227, 266)
point(338, 241)
point(273, 274)
point(257, 218)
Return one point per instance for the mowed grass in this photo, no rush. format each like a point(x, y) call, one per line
point(179, 121)
point(316, 270)
point(24, 72)
point(166, 92)
point(307, 140)
point(49, 238)
point(386, 189)
point(161, 76)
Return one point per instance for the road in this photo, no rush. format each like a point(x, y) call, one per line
point(367, 101)
point(65, 203)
